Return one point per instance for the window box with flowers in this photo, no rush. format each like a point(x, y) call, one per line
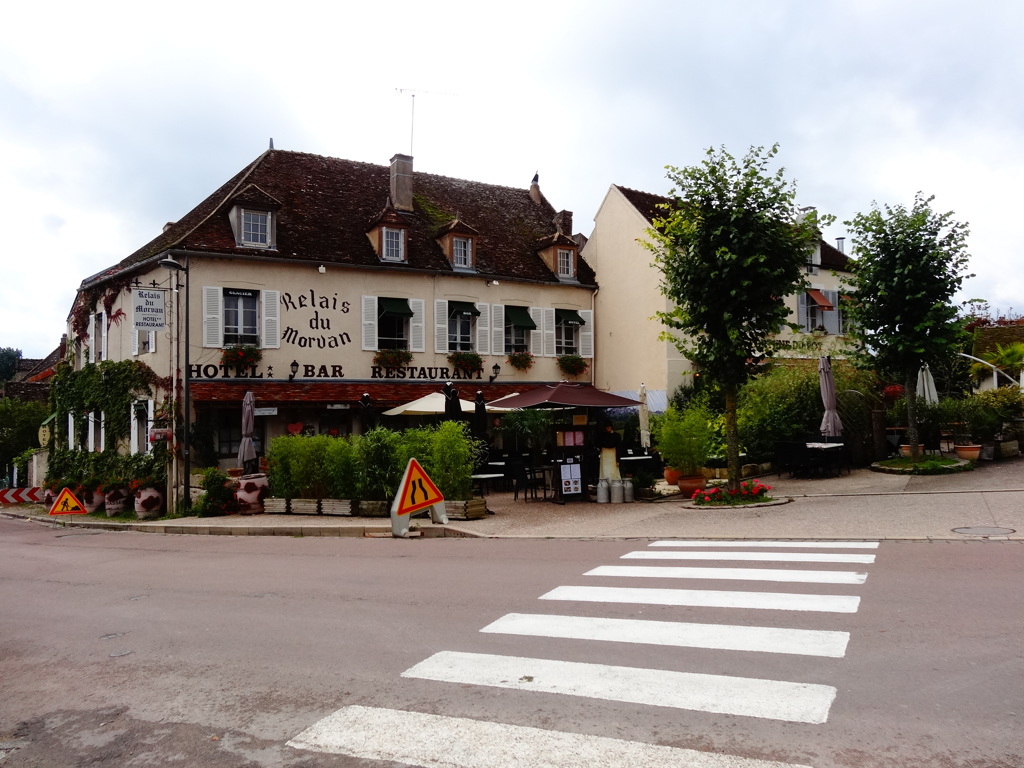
point(466, 363)
point(572, 365)
point(521, 361)
point(392, 358)
point(239, 356)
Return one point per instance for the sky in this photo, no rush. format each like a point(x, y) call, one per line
point(116, 118)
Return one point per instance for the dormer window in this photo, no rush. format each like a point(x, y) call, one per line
point(566, 263)
point(393, 244)
point(462, 252)
point(256, 228)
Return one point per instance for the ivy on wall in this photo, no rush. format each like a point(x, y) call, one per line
point(109, 387)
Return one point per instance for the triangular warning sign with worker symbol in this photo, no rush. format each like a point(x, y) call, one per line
point(67, 504)
point(417, 490)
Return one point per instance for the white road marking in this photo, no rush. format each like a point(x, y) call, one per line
point(731, 574)
point(804, 642)
point(778, 544)
point(433, 741)
point(774, 557)
point(708, 598)
point(750, 697)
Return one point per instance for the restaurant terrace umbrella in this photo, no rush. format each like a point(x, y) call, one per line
point(926, 385)
point(564, 394)
point(645, 417)
point(367, 413)
point(831, 424)
point(427, 405)
point(246, 450)
point(480, 415)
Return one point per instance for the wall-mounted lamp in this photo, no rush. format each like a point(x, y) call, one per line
point(321, 269)
point(493, 282)
point(295, 369)
point(495, 370)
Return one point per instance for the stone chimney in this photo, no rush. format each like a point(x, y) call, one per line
point(401, 182)
point(563, 222)
point(535, 189)
point(841, 244)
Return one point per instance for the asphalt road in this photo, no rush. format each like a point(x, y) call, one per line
point(127, 649)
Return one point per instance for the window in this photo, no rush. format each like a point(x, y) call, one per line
point(566, 263)
point(393, 316)
point(240, 316)
point(394, 244)
point(256, 228)
point(567, 324)
point(819, 311)
point(390, 323)
point(518, 324)
point(462, 252)
point(98, 338)
point(461, 316)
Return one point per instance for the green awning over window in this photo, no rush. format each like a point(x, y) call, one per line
point(568, 317)
point(393, 307)
point(519, 317)
point(462, 308)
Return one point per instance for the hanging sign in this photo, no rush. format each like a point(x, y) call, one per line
point(67, 504)
point(416, 492)
point(148, 304)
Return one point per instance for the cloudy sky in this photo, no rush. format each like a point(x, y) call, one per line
point(118, 117)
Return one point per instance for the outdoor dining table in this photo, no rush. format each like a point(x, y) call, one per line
point(832, 453)
point(482, 480)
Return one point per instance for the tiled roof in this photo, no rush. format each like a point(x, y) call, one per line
point(328, 204)
point(648, 205)
point(385, 394)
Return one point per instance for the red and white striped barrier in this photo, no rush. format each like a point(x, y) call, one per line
point(21, 495)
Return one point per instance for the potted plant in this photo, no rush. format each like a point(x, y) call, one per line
point(115, 484)
point(240, 356)
point(684, 441)
point(466, 363)
point(91, 486)
point(392, 358)
point(148, 480)
point(521, 361)
point(572, 365)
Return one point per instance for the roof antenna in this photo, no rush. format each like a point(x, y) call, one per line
point(271, 142)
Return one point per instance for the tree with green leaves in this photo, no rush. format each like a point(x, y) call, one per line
point(731, 246)
point(9, 357)
point(19, 427)
point(909, 264)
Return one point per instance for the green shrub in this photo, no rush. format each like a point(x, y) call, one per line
point(219, 497)
point(381, 471)
point(342, 469)
point(281, 461)
point(684, 437)
point(454, 454)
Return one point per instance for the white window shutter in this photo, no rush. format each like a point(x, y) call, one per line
point(92, 338)
point(135, 342)
point(271, 319)
point(417, 332)
point(440, 326)
point(483, 329)
point(369, 315)
point(103, 431)
point(537, 335)
point(104, 354)
point(133, 437)
point(497, 329)
point(213, 310)
point(152, 341)
point(150, 410)
point(549, 332)
point(831, 319)
point(71, 430)
point(587, 333)
point(90, 435)
point(801, 310)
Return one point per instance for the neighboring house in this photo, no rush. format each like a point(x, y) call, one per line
point(321, 263)
point(986, 340)
point(629, 350)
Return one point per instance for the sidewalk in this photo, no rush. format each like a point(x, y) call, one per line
point(861, 505)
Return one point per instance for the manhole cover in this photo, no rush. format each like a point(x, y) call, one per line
point(981, 530)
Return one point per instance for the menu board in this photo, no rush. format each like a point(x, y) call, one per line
point(572, 482)
point(572, 437)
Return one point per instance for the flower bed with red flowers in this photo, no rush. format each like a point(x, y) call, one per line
point(721, 497)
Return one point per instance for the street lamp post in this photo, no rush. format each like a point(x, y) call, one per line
point(175, 267)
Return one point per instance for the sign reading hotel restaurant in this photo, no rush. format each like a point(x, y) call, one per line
point(148, 304)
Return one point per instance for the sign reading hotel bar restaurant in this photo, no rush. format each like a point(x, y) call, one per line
point(148, 304)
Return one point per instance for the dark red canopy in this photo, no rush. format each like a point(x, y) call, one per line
point(564, 394)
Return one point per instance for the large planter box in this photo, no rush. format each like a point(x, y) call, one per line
point(473, 509)
point(1000, 449)
point(335, 507)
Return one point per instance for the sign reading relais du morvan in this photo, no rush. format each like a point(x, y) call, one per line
point(148, 306)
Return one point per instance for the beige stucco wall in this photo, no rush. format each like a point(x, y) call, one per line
point(628, 350)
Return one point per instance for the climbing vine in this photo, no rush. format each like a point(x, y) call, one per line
point(109, 387)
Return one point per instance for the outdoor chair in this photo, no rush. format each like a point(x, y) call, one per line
point(528, 480)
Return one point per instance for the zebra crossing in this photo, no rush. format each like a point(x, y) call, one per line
point(352, 730)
